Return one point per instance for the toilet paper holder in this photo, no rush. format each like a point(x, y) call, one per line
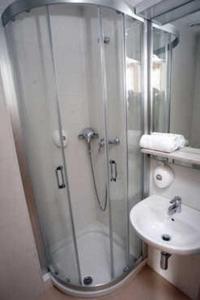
point(163, 176)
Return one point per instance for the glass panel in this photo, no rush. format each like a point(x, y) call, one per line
point(161, 80)
point(116, 129)
point(134, 67)
point(29, 45)
point(81, 81)
point(75, 31)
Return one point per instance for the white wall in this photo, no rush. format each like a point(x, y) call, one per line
point(20, 274)
point(183, 271)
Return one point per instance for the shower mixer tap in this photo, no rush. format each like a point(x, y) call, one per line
point(115, 141)
point(88, 134)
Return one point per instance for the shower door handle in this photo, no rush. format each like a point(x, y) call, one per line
point(113, 170)
point(60, 177)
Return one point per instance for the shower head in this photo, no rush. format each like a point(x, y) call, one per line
point(88, 134)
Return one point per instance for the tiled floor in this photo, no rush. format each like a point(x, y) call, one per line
point(146, 286)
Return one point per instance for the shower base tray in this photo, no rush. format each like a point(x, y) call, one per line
point(94, 257)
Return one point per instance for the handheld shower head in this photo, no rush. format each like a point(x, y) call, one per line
point(88, 134)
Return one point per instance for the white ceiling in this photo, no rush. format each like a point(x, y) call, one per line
point(189, 20)
point(183, 23)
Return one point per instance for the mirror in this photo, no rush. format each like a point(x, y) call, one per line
point(159, 80)
point(176, 81)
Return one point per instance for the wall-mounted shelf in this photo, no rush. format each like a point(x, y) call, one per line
point(186, 155)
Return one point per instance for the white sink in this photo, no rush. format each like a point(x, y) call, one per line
point(151, 221)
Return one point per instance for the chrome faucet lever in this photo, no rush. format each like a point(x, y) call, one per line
point(112, 142)
point(175, 206)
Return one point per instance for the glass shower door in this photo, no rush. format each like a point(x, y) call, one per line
point(123, 70)
point(74, 79)
point(113, 31)
point(134, 98)
point(36, 94)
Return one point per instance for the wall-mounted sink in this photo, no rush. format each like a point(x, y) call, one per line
point(177, 233)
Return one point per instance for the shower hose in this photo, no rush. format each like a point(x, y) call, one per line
point(101, 205)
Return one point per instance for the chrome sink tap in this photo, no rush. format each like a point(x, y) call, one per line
point(175, 206)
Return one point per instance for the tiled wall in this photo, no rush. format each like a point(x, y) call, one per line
point(183, 271)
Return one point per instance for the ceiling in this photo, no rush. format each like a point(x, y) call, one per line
point(181, 23)
point(168, 11)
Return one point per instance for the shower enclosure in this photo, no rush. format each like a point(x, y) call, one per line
point(77, 68)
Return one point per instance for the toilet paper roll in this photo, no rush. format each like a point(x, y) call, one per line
point(163, 176)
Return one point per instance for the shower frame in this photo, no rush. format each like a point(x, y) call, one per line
point(9, 15)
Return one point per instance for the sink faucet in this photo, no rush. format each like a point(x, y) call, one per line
point(175, 206)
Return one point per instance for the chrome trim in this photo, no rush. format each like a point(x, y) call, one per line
point(147, 96)
point(149, 54)
point(63, 147)
point(105, 116)
point(21, 6)
point(125, 100)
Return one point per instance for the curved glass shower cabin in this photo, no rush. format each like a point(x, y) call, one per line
point(77, 73)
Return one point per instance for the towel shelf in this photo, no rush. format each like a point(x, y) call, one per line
point(188, 157)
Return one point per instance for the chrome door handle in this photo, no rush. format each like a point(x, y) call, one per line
point(60, 177)
point(113, 170)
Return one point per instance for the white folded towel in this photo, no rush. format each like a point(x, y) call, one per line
point(180, 139)
point(166, 142)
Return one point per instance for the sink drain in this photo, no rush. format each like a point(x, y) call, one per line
point(87, 280)
point(166, 237)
